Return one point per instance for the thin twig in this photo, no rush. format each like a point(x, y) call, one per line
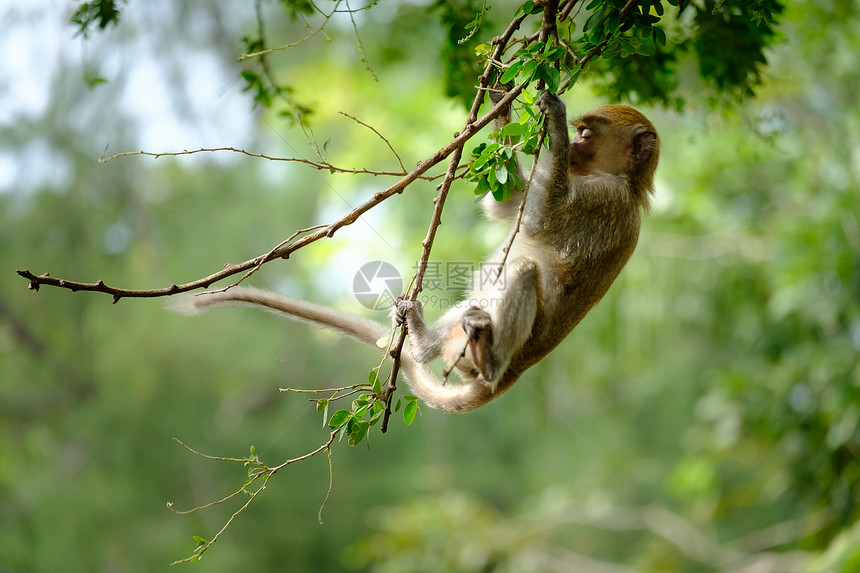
point(330, 486)
point(207, 456)
point(243, 489)
point(382, 137)
point(266, 473)
point(321, 165)
point(359, 43)
point(498, 109)
point(263, 260)
point(326, 18)
point(323, 447)
point(325, 390)
point(500, 43)
point(199, 553)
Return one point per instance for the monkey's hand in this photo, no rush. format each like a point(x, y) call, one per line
point(478, 326)
point(551, 105)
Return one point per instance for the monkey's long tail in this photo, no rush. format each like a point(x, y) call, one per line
point(365, 330)
point(422, 381)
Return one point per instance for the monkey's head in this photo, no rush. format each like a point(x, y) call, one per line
point(618, 140)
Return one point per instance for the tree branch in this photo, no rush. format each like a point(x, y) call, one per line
point(285, 250)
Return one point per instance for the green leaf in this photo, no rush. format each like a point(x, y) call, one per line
point(339, 418)
point(526, 8)
point(478, 163)
point(659, 36)
point(322, 407)
point(377, 413)
point(375, 382)
point(359, 414)
point(410, 411)
point(357, 432)
point(513, 130)
point(253, 452)
point(93, 79)
point(529, 69)
point(511, 73)
point(502, 194)
point(501, 173)
point(482, 187)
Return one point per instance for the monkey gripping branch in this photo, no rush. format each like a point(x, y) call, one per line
point(575, 216)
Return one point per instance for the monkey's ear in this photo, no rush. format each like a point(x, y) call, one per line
point(643, 146)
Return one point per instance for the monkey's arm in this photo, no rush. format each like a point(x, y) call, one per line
point(553, 165)
point(556, 162)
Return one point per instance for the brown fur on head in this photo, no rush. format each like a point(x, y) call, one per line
point(617, 139)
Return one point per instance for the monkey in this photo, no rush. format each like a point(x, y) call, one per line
point(580, 225)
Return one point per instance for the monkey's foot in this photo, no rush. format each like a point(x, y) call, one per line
point(402, 306)
point(478, 326)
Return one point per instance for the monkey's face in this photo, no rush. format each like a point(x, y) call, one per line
point(596, 148)
point(613, 139)
point(582, 150)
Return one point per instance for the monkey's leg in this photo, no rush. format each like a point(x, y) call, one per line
point(425, 343)
point(495, 334)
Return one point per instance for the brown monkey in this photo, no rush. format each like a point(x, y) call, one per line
point(579, 227)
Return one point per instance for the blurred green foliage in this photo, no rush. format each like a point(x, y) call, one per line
point(704, 417)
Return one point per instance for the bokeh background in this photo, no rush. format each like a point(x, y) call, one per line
point(704, 417)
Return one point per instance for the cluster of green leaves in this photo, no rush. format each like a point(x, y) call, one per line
point(538, 61)
point(366, 411)
point(623, 32)
point(475, 24)
point(461, 21)
point(102, 13)
point(639, 59)
point(730, 42)
point(493, 166)
point(634, 62)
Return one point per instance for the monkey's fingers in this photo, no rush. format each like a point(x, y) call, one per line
point(551, 104)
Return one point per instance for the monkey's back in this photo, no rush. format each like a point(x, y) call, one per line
point(583, 270)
